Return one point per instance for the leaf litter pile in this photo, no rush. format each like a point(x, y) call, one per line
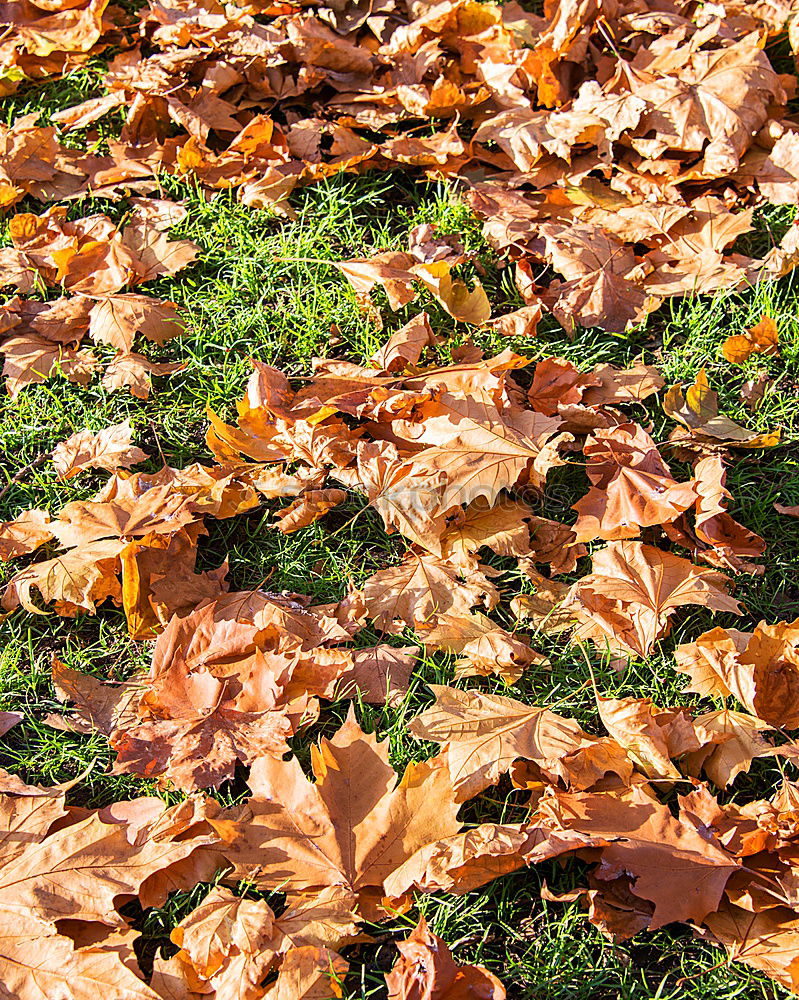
point(615, 152)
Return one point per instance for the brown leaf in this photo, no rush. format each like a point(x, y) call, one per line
point(504, 528)
point(193, 727)
point(544, 607)
point(732, 545)
point(99, 705)
point(351, 828)
point(230, 943)
point(631, 486)
point(740, 742)
point(760, 669)
point(37, 962)
point(24, 534)
point(768, 941)
point(481, 450)
point(78, 871)
point(132, 371)
point(652, 736)
point(110, 449)
point(426, 968)
point(485, 733)
point(30, 360)
point(680, 869)
point(420, 589)
point(307, 508)
point(521, 322)
point(404, 347)
point(80, 578)
point(116, 320)
point(762, 338)
point(485, 647)
point(697, 409)
point(634, 589)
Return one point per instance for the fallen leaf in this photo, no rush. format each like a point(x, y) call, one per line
point(762, 338)
point(484, 734)
point(109, 449)
point(634, 589)
point(25, 534)
point(681, 870)
point(426, 968)
point(351, 828)
point(760, 669)
point(132, 371)
point(420, 589)
point(632, 487)
point(697, 409)
point(767, 941)
point(117, 319)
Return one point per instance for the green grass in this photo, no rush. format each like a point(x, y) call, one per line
point(253, 293)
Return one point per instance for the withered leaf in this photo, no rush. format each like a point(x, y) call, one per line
point(426, 967)
point(484, 734)
point(111, 449)
point(633, 591)
point(420, 589)
point(351, 828)
point(680, 869)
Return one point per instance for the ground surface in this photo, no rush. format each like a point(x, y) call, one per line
point(261, 289)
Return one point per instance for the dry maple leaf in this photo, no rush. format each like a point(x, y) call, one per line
point(762, 338)
point(631, 486)
point(504, 528)
point(132, 371)
point(24, 534)
point(679, 868)
point(465, 861)
point(111, 449)
point(760, 669)
point(556, 383)
point(116, 319)
point(404, 348)
point(426, 968)
point(740, 741)
point(378, 674)
point(60, 934)
point(307, 508)
point(481, 450)
point(485, 647)
point(31, 360)
point(194, 731)
point(80, 578)
point(229, 944)
point(420, 589)
point(27, 812)
point(352, 827)
point(98, 705)
point(484, 734)
point(653, 737)
point(406, 502)
point(697, 410)
point(79, 870)
point(730, 544)
point(36, 963)
point(634, 589)
point(543, 608)
point(766, 941)
point(144, 527)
